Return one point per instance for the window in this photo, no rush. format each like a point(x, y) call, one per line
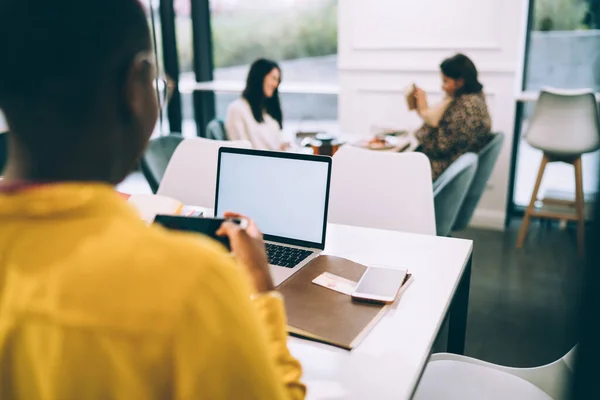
point(151, 8)
point(185, 48)
point(301, 35)
point(563, 52)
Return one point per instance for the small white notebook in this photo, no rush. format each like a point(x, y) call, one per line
point(150, 205)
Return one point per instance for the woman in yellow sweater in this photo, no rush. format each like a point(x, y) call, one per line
point(95, 304)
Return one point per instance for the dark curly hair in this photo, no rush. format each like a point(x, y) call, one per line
point(461, 67)
point(255, 95)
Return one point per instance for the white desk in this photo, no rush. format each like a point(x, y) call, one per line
point(392, 357)
point(388, 364)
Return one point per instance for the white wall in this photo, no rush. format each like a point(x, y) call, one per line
point(384, 45)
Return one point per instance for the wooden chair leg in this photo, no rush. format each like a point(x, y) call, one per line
point(579, 207)
point(531, 207)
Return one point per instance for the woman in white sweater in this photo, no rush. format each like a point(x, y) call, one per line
point(256, 116)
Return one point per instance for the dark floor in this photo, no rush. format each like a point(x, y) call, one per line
point(523, 303)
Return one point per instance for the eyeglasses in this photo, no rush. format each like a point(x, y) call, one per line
point(162, 84)
point(164, 91)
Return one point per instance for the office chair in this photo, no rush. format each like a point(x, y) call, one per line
point(485, 165)
point(216, 130)
point(451, 376)
point(191, 175)
point(156, 158)
point(450, 191)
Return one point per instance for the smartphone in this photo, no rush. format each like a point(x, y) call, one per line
point(380, 285)
point(409, 94)
point(204, 226)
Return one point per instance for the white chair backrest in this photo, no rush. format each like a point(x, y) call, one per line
point(191, 175)
point(382, 190)
point(569, 358)
point(565, 122)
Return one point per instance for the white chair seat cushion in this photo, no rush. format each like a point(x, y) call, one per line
point(447, 379)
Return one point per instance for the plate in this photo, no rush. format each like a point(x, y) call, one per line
point(367, 144)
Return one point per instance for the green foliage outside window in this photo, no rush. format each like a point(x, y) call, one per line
point(239, 37)
point(561, 15)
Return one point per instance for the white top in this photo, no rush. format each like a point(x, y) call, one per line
point(241, 125)
point(389, 362)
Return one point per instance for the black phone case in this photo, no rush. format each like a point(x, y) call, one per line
point(203, 226)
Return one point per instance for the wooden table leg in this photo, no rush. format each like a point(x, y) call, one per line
point(457, 329)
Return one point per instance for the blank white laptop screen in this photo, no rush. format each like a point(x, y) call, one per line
point(285, 197)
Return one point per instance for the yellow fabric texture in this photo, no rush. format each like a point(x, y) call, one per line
point(94, 304)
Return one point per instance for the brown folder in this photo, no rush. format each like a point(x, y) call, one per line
point(317, 313)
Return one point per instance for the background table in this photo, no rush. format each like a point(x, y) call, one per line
point(404, 143)
point(392, 357)
point(532, 96)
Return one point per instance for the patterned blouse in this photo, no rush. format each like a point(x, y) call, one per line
point(464, 127)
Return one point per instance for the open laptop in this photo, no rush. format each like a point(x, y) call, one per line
point(286, 194)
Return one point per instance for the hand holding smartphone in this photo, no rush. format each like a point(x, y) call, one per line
point(249, 248)
point(205, 226)
point(238, 234)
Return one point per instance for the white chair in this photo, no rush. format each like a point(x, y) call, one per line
point(450, 376)
point(382, 190)
point(191, 175)
point(565, 125)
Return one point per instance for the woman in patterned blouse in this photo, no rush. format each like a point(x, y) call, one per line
point(460, 123)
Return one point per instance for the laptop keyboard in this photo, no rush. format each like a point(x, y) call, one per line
point(284, 256)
